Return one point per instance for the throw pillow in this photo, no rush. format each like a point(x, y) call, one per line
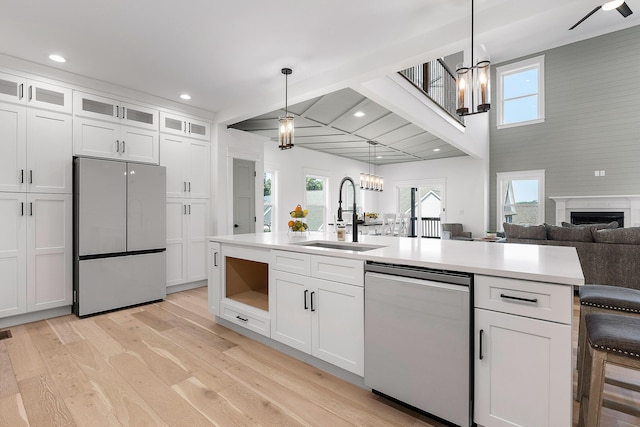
point(628, 236)
point(534, 232)
point(569, 234)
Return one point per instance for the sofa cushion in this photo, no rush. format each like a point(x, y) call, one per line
point(534, 232)
point(571, 234)
point(612, 224)
point(629, 236)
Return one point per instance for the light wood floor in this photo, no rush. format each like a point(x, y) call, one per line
point(171, 364)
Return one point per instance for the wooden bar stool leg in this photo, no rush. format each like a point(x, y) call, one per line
point(582, 349)
point(595, 371)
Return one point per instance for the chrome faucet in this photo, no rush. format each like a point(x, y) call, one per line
point(354, 227)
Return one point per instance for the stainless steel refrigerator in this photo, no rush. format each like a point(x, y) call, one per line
point(119, 234)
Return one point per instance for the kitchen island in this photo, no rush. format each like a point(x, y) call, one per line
point(304, 294)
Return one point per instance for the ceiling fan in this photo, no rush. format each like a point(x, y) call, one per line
point(620, 5)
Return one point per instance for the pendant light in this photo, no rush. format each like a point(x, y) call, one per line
point(369, 181)
point(286, 122)
point(473, 84)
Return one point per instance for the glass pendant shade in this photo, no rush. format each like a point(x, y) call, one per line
point(463, 77)
point(483, 90)
point(286, 132)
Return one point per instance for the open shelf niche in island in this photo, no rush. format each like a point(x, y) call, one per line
point(248, 282)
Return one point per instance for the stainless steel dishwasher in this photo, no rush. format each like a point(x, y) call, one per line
point(417, 338)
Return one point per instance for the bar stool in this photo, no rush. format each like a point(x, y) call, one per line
point(610, 338)
point(603, 299)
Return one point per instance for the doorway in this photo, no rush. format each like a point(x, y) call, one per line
point(244, 187)
point(424, 203)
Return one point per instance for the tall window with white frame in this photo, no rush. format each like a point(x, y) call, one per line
point(520, 93)
point(520, 198)
point(269, 199)
point(316, 202)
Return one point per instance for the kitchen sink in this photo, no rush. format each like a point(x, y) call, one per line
point(345, 246)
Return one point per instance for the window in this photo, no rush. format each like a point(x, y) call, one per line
point(520, 197)
point(269, 197)
point(521, 93)
point(316, 202)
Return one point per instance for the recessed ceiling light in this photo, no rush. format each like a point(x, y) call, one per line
point(359, 114)
point(185, 96)
point(378, 157)
point(57, 58)
point(612, 4)
point(436, 149)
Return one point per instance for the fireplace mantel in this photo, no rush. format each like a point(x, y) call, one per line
point(629, 204)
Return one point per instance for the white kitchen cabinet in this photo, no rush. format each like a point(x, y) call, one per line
point(184, 126)
point(33, 93)
point(522, 364)
point(187, 232)
point(36, 150)
point(49, 251)
point(320, 317)
point(113, 129)
point(187, 163)
point(111, 110)
point(13, 254)
point(214, 258)
point(95, 138)
point(35, 252)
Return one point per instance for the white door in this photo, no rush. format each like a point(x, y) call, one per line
point(49, 152)
point(176, 242)
point(139, 145)
point(198, 170)
point(523, 371)
point(244, 181)
point(96, 138)
point(13, 254)
point(173, 155)
point(215, 277)
point(49, 237)
point(197, 219)
point(291, 316)
point(337, 330)
point(13, 151)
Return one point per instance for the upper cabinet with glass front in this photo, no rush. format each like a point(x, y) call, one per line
point(33, 93)
point(184, 126)
point(98, 107)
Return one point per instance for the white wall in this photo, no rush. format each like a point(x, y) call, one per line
point(465, 188)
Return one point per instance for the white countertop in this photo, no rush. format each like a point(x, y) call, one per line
point(554, 264)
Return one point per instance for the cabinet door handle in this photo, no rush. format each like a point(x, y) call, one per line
point(21, 91)
point(189, 127)
point(21, 208)
point(30, 176)
point(30, 92)
point(30, 208)
point(185, 186)
point(185, 127)
point(480, 350)
point(117, 111)
point(189, 209)
point(124, 112)
point(185, 209)
point(531, 300)
point(313, 308)
point(306, 292)
point(215, 259)
point(117, 146)
point(123, 146)
point(244, 319)
point(21, 176)
point(189, 186)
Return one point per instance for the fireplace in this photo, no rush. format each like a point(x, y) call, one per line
point(578, 218)
point(628, 206)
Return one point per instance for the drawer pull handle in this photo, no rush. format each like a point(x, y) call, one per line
point(531, 300)
point(244, 319)
point(481, 334)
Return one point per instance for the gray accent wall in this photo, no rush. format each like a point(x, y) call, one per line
point(592, 91)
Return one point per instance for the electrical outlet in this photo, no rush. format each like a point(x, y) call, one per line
point(601, 173)
point(596, 173)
